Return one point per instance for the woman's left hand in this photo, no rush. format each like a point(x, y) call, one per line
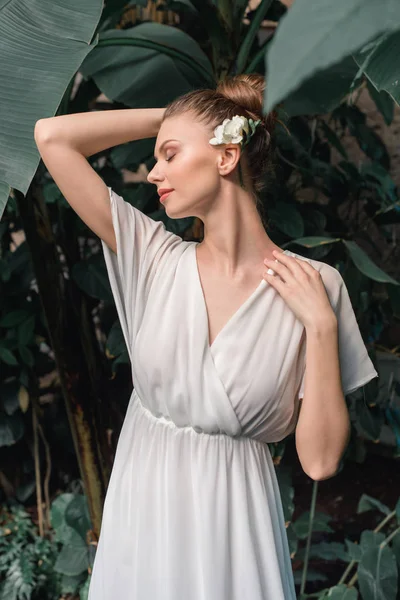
point(302, 288)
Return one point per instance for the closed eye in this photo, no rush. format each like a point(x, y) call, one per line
point(170, 158)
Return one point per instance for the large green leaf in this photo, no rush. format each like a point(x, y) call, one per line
point(58, 522)
point(377, 574)
point(42, 44)
point(340, 592)
point(315, 35)
point(147, 66)
point(77, 515)
point(380, 62)
point(73, 558)
point(322, 92)
point(363, 262)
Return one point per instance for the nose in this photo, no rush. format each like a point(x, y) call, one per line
point(152, 176)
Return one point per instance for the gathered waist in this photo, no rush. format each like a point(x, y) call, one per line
point(164, 421)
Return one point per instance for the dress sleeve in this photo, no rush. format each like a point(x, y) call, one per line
point(143, 246)
point(356, 367)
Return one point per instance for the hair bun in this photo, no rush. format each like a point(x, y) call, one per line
point(247, 91)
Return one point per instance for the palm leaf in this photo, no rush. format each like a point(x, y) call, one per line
point(42, 44)
point(147, 65)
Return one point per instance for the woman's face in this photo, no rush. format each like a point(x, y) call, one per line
point(187, 164)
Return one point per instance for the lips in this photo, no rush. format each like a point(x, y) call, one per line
point(163, 191)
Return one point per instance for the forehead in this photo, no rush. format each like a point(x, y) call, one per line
point(183, 128)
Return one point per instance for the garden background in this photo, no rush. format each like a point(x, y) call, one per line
point(333, 72)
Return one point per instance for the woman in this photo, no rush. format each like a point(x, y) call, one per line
point(219, 343)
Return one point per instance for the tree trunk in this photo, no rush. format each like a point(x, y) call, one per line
point(77, 356)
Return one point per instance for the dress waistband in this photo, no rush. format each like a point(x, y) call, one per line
point(166, 422)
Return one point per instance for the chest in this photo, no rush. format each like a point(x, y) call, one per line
point(254, 339)
point(222, 297)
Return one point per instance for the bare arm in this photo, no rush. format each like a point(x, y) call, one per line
point(65, 142)
point(323, 427)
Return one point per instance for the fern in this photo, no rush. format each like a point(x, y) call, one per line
point(19, 582)
point(26, 559)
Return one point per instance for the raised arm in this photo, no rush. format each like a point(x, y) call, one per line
point(65, 142)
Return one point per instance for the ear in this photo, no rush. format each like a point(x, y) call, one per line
point(228, 158)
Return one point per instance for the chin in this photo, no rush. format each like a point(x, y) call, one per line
point(175, 213)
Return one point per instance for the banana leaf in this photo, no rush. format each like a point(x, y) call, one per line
point(42, 45)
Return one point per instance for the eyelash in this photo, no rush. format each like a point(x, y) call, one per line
point(170, 158)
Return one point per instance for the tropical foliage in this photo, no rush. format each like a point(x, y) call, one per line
point(60, 340)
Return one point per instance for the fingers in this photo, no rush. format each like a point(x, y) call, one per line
point(275, 281)
point(290, 265)
point(281, 268)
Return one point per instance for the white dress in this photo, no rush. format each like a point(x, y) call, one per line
point(193, 508)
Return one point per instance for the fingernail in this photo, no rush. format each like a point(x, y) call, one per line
point(271, 272)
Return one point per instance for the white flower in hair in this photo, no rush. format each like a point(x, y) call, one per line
point(233, 130)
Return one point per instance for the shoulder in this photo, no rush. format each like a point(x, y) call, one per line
point(331, 277)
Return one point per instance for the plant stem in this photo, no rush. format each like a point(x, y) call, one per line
point(38, 478)
point(310, 528)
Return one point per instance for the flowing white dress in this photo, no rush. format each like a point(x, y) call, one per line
point(193, 509)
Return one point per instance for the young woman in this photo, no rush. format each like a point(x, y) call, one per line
point(226, 337)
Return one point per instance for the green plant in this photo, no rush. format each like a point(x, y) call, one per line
point(26, 559)
point(33, 567)
point(72, 527)
point(323, 206)
point(376, 558)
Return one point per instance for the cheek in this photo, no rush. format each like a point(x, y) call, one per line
point(196, 174)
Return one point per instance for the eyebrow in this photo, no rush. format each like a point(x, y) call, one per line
point(163, 144)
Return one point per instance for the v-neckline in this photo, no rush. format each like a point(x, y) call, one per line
point(235, 314)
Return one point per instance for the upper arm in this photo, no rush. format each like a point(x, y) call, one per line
point(79, 183)
point(356, 367)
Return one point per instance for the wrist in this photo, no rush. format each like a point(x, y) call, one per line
point(322, 324)
point(157, 114)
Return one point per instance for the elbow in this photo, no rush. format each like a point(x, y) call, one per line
point(319, 474)
point(41, 131)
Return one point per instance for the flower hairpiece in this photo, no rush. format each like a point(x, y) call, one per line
point(238, 130)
